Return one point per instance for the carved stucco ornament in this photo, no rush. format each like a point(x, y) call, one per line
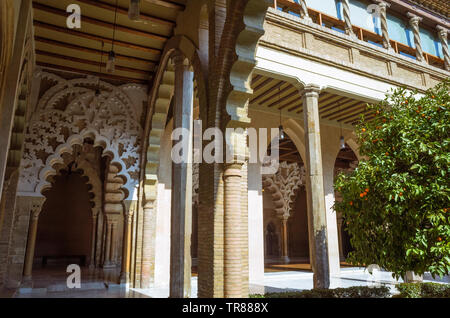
point(67, 113)
point(283, 187)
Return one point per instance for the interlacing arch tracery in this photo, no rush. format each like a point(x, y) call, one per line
point(283, 187)
point(67, 114)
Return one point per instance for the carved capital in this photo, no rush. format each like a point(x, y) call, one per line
point(442, 32)
point(383, 4)
point(414, 20)
point(312, 90)
point(36, 207)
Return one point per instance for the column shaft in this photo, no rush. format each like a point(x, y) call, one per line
point(347, 19)
point(93, 243)
point(232, 218)
point(181, 206)
point(31, 244)
point(113, 244)
point(126, 249)
point(315, 195)
point(414, 23)
point(107, 258)
point(303, 9)
point(384, 26)
point(443, 37)
point(284, 239)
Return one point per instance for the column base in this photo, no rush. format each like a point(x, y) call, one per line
point(27, 282)
point(124, 279)
point(412, 277)
point(285, 259)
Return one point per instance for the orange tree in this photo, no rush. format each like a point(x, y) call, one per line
point(397, 202)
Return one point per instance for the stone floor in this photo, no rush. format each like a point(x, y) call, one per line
point(51, 283)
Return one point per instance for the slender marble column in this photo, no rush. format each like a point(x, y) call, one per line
point(347, 19)
point(443, 37)
point(94, 241)
point(284, 239)
point(181, 206)
point(112, 254)
point(126, 246)
point(414, 21)
point(304, 10)
point(232, 233)
point(384, 26)
point(315, 193)
point(31, 242)
point(107, 258)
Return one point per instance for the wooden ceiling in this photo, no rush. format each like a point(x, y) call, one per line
point(288, 152)
point(275, 95)
point(138, 44)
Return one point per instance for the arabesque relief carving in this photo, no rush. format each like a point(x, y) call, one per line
point(71, 111)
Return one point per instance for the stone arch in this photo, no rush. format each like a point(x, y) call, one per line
point(296, 133)
point(68, 113)
point(160, 99)
point(99, 141)
point(353, 144)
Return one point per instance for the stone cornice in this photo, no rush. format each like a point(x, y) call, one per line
point(296, 24)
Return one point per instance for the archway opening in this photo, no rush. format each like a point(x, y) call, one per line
point(285, 213)
point(346, 162)
point(64, 231)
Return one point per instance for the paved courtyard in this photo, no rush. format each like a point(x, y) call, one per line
point(52, 284)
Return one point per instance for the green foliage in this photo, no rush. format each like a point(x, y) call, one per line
point(425, 290)
point(397, 202)
point(351, 292)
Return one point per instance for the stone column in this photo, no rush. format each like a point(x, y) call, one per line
point(284, 240)
point(36, 208)
point(107, 258)
point(315, 193)
point(414, 21)
point(112, 254)
point(130, 207)
point(443, 37)
point(384, 26)
point(347, 19)
point(181, 206)
point(304, 10)
point(94, 240)
point(232, 233)
point(148, 244)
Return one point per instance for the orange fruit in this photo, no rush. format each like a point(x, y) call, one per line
point(401, 194)
point(351, 203)
point(361, 195)
point(439, 239)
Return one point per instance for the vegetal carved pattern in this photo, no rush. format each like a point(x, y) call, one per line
point(284, 185)
point(70, 111)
